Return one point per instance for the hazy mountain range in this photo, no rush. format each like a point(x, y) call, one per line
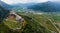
point(4, 5)
point(45, 7)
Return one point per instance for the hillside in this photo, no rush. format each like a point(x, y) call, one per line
point(5, 5)
point(46, 7)
point(37, 18)
point(35, 23)
point(3, 13)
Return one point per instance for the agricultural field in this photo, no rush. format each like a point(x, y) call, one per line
point(34, 23)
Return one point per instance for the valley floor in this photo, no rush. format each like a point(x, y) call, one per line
point(34, 23)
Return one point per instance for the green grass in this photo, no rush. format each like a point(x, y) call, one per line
point(12, 23)
point(44, 23)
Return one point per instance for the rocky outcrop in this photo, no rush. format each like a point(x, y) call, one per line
point(18, 18)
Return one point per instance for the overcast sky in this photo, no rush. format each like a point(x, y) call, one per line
point(26, 1)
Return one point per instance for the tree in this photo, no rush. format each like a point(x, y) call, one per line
point(3, 13)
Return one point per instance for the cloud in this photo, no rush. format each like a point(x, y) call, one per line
point(38, 0)
point(54, 0)
point(23, 1)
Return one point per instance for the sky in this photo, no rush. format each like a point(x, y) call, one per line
point(25, 1)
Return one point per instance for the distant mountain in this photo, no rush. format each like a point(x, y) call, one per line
point(4, 5)
point(46, 7)
point(23, 5)
point(18, 5)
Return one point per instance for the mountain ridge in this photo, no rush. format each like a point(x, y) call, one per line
point(46, 7)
